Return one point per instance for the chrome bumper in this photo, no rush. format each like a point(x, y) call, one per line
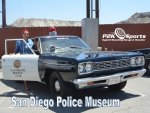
point(107, 80)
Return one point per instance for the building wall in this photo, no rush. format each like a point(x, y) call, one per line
point(132, 29)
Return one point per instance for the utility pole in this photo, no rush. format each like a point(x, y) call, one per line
point(4, 13)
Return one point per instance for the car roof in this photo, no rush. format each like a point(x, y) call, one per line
point(58, 36)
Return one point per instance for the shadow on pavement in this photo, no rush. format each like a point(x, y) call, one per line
point(146, 75)
point(40, 90)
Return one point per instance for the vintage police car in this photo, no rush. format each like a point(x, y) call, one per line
point(63, 62)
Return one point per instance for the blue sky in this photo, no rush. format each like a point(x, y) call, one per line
point(111, 11)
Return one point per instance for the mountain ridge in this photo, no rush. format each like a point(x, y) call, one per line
point(37, 22)
point(137, 18)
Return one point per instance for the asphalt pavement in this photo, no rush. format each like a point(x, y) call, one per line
point(134, 98)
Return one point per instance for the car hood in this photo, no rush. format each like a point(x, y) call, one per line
point(94, 55)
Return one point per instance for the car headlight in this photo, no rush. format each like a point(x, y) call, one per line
point(133, 61)
point(140, 60)
point(143, 60)
point(88, 67)
point(85, 68)
point(81, 68)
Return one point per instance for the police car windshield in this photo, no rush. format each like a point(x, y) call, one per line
point(63, 42)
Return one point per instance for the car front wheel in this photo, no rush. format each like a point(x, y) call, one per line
point(57, 86)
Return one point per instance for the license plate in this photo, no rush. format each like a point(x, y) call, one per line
point(114, 80)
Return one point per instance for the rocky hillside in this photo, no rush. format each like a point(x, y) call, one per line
point(137, 18)
point(33, 22)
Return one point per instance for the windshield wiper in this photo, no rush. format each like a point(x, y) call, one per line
point(79, 47)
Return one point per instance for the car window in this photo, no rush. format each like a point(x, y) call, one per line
point(63, 42)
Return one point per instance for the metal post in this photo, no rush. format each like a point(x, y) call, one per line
point(87, 8)
point(4, 13)
point(97, 9)
point(91, 8)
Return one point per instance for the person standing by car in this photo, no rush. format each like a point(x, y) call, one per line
point(22, 48)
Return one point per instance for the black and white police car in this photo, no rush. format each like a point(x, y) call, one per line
point(67, 62)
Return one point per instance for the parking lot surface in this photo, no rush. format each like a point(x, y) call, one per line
point(134, 98)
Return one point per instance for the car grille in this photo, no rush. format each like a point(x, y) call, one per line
point(113, 64)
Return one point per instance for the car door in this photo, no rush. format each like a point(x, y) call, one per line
point(20, 66)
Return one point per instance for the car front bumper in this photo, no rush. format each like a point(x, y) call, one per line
point(107, 80)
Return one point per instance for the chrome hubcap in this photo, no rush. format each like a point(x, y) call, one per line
point(57, 86)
